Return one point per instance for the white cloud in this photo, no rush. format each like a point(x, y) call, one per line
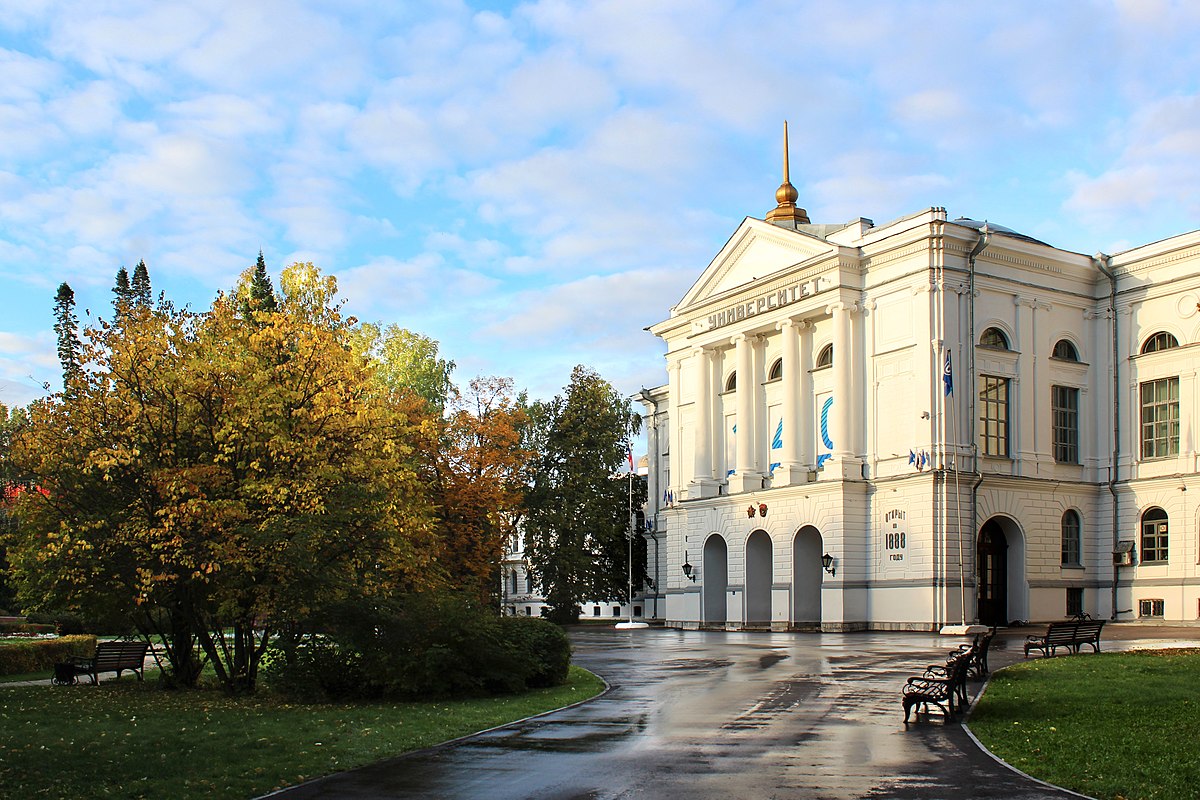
point(1155, 169)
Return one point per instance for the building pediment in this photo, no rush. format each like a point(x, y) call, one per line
point(756, 251)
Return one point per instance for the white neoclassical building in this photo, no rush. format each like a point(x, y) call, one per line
point(926, 422)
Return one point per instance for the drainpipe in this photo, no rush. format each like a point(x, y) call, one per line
point(985, 238)
point(1103, 263)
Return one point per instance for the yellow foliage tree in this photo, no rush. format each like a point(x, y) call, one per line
point(223, 480)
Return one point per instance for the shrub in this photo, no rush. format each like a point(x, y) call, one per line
point(318, 668)
point(427, 645)
point(542, 646)
point(25, 627)
point(38, 655)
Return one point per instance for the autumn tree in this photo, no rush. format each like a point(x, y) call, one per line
point(577, 529)
point(408, 361)
point(222, 481)
point(476, 482)
point(66, 327)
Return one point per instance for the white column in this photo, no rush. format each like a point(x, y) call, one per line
point(703, 423)
point(745, 405)
point(806, 419)
point(745, 477)
point(845, 464)
point(843, 404)
point(790, 469)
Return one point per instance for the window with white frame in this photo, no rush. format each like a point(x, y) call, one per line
point(1151, 608)
point(1160, 417)
point(993, 415)
point(1155, 536)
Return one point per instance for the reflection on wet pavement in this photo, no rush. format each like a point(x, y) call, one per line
point(713, 714)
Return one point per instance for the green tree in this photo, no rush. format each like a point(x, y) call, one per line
point(408, 361)
point(256, 292)
point(122, 294)
point(222, 482)
point(66, 326)
point(577, 529)
point(139, 288)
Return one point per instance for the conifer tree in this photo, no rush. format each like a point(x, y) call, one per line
point(262, 293)
point(123, 293)
point(66, 326)
point(140, 288)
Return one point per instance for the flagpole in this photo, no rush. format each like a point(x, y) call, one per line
point(948, 377)
point(630, 609)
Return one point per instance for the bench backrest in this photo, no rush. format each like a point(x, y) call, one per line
point(1061, 631)
point(1089, 628)
point(123, 654)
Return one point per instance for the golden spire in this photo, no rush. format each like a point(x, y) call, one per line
point(786, 211)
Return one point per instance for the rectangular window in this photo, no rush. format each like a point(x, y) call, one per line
point(1064, 410)
point(1160, 418)
point(1150, 608)
point(1074, 600)
point(993, 415)
point(595, 611)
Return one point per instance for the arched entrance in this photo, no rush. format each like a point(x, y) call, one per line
point(991, 584)
point(806, 578)
point(758, 579)
point(1000, 572)
point(716, 581)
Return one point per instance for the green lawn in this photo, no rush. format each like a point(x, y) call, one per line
point(126, 739)
point(1109, 725)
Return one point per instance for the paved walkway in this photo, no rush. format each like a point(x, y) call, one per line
point(727, 715)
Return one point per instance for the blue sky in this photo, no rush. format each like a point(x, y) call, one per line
point(532, 184)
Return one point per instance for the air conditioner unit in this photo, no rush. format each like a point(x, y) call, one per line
point(1123, 553)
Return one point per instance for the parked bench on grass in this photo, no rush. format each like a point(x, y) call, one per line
point(942, 686)
point(110, 657)
point(1071, 634)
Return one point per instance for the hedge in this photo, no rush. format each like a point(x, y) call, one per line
point(26, 627)
point(40, 655)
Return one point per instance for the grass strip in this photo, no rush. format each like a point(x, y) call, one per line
point(125, 739)
point(1108, 725)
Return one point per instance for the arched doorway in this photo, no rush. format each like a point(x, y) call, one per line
point(758, 579)
point(716, 580)
point(1000, 572)
point(806, 578)
point(991, 584)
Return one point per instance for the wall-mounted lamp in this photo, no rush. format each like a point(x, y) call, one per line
point(689, 571)
point(827, 564)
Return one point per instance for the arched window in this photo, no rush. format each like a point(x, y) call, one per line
point(776, 370)
point(994, 337)
point(731, 382)
point(1155, 536)
point(1064, 350)
point(1072, 544)
point(825, 357)
point(1160, 341)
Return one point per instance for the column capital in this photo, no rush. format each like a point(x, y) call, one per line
point(851, 308)
point(793, 322)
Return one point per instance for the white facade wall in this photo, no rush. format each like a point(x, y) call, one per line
point(828, 449)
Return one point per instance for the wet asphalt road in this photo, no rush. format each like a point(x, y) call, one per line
point(696, 714)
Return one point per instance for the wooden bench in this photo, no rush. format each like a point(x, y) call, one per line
point(110, 657)
point(1071, 634)
point(942, 686)
point(978, 667)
